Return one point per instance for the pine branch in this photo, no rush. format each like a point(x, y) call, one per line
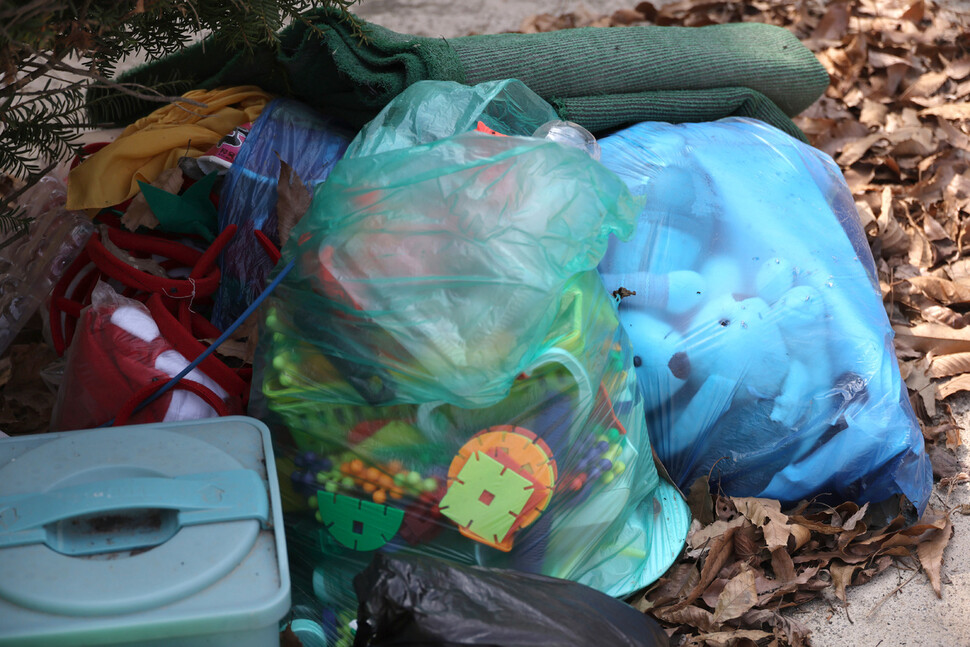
point(40, 38)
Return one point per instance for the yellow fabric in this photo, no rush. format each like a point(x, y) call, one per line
point(156, 142)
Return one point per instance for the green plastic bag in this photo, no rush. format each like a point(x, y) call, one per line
point(450, 375)
point(433, 110)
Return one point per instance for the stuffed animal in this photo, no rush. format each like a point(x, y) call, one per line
point(749, 355)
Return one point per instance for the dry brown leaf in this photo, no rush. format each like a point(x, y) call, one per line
point(755, 509)
point(699, 500)
point(893, 237)
point(855, 518)
point(676, 583)
point(954, 137)
point(701, 537)
point(950, 365)
point(796, 632)
point(728, 638)
point(722, 549)
point(139, 214)
point(926, 85)
point(783, 566)
point(953, 437)
point(883, 59)
point(957, 69)
point(933, 229)
point(713, 592)
point(942, 290)
point(627, 16)
point(867, 218)
point(776, 532)
point(746, 544)
point(688, 615)
point(800, 534)
point(930, 552)
point(738, 597)
point(856, 148)
point(915, 12)
point(833, 24)
point(940, 339)
point(959, 270)
point(873, 113)
point(921, 252)
point(918, 380)
point(956, 385)
point(293, 200)
point(945, 463)
point(953, 111)
point(842, 577)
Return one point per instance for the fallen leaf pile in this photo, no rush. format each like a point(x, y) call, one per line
point(755, 560)
point(895, 118)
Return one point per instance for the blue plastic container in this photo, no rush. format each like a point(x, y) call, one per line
point(155, 535)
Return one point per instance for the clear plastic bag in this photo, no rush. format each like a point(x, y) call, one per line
point(763, 350)
point(30, 266)
point(118, 358)
point(311, 144)
point(432, 110)
point(450, 375)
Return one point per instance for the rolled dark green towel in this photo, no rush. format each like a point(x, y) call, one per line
point(599, 77)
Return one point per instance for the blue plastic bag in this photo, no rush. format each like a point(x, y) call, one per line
point(311, 144)
point(763, 350)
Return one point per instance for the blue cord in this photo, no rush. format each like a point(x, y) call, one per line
point(212, 348)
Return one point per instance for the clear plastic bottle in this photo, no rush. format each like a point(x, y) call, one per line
point(569, 134)
point(32, 264)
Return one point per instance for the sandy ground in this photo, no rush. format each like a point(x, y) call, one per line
point(449, 19)
point(892, 609)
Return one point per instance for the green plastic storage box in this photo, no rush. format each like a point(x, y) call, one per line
point(156, 535)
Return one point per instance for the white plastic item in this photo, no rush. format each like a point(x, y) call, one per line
point(161, 535)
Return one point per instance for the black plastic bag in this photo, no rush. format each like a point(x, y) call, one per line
point(412, 600)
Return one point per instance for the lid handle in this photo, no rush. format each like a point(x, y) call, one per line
point(182, 501)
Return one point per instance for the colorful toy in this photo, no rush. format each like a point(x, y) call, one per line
point(358, 524)
point(500, 481)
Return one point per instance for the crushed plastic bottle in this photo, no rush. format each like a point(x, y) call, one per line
point(569, 134)
point(30, 266)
